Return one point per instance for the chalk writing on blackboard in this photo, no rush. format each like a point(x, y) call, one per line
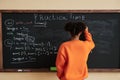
point(8, 43)
point(40, 19)
point(31, 40)
point(9, 22)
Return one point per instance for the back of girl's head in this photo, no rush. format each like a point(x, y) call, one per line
point(75, 27)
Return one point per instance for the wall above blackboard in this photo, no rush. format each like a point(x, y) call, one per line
point(30, 38)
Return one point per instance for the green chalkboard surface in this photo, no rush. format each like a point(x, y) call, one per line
point(31, 39)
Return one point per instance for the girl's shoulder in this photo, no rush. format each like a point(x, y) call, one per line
point(65, 44)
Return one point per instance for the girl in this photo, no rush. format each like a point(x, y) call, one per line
point(71, 61)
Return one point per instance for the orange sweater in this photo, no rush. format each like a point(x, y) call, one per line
point(71, 61)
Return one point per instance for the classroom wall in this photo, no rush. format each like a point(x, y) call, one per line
point(56, 5)
point(59, 4)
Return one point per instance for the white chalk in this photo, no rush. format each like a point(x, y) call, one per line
point(19, 70)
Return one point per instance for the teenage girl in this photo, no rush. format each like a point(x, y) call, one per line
point(71, 61)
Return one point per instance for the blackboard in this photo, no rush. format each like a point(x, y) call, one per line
point(31, 39)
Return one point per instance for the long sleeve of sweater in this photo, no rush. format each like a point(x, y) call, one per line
point(60, 61)
point(89, 39)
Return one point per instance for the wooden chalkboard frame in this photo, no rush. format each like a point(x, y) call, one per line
point(48, 11)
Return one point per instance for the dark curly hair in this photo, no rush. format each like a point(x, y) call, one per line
point(75, 27)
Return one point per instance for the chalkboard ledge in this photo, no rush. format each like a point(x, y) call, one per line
point(48, 70)
point(104, 70)
point(25, 70)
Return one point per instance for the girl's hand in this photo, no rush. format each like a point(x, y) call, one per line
point(86, 29)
